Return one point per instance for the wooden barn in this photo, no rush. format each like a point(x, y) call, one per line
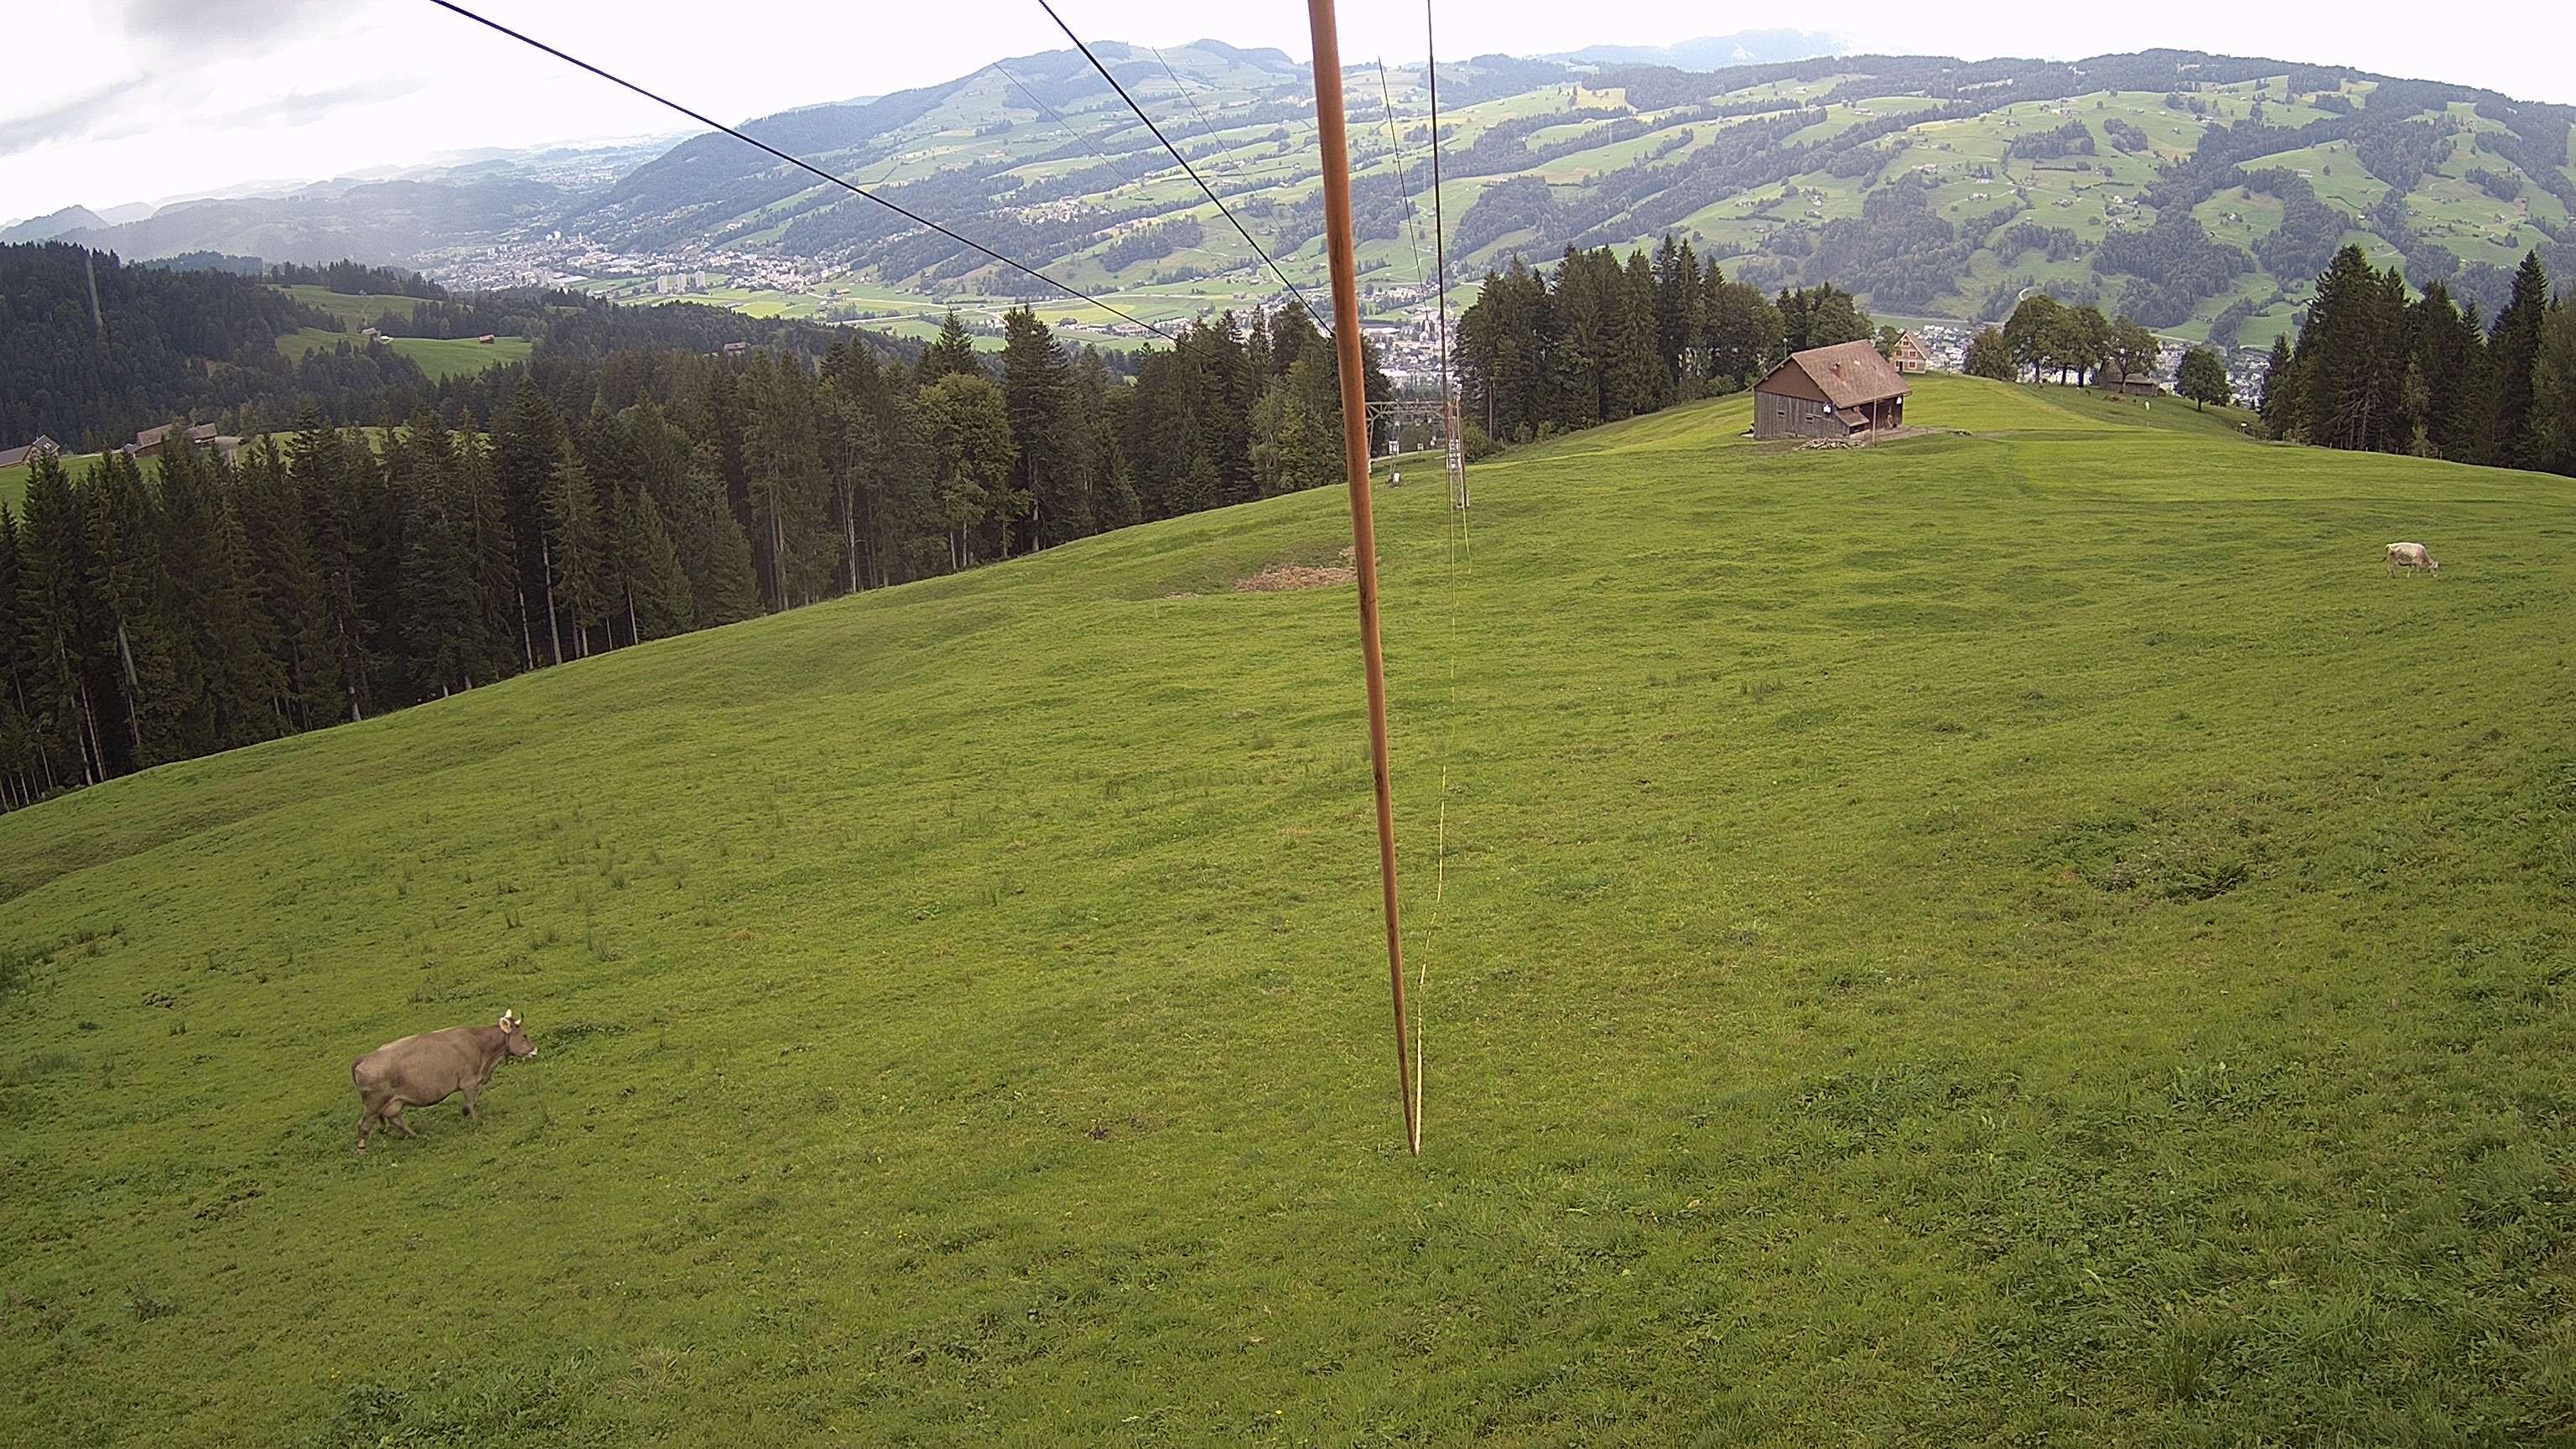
point(1911, 356)
point(1846, 391)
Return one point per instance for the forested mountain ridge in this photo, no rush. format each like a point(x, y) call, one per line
point(263, 350)
point(2199, 193)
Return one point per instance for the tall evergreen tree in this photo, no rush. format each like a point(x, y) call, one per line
point(222, 633)
point(2448, 356)
point(23, 772)
point(970, 434)
point(2553, 391)
point(2513, 348)
point(2354, 345)
point(291, 589)
point(128, 582)
point(1035, 392)
point(713, 551)
point(952, 352)
point(2283, 403)
point(571, 548)
point(527, 445)
point(55, 613)
point(444, 629)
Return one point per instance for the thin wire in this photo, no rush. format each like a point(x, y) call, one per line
point(1439, 223)
point(1461, 558)
point(1403, 172)
point(1317, 317)
point(1205, 130)
point(803, 165)
point(1037, 101)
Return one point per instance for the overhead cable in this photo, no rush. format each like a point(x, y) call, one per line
point(803, 165)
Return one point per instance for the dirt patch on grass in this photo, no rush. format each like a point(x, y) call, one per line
point(1278, 578)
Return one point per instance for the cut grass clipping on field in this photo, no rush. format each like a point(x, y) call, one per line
point(2010, 938)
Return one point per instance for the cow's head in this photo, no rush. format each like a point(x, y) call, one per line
point(516, 1043)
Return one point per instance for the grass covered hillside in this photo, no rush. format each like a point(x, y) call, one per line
point(1995, 938)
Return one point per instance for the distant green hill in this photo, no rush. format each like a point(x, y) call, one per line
point(2018, 936)
point(2201, 193)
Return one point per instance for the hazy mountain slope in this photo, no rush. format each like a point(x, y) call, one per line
point(54, 224)
point(2199, 191)
point(1714, 52)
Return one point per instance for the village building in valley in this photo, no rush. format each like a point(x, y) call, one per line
point(1846, 391)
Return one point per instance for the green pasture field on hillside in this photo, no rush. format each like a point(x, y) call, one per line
point(2026, 936)
point(13, 479)
point(437, 356)
point(357, 311)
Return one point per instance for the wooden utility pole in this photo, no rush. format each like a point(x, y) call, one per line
point(1338, 245)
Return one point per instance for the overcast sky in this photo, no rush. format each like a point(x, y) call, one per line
point(115, 101)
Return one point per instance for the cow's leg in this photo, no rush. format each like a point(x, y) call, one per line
point(366, 1124)
point(472, 1113)
point(393, 1115)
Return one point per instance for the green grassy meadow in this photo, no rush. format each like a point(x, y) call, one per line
point(439, 357)
point(13, 479)
point(2009, 937)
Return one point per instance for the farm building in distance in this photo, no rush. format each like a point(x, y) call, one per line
point(1910, 354)
point(1845, 391)
point(12, 457)
point(147, 444)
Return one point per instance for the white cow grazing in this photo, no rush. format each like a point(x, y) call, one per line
point(2412, 556)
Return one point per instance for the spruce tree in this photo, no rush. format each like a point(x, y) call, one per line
point(527, 444)
point(2447, 354)
point(2513, 351)
point(970, 433)
point(55, 612)
point(2283, 403)
point(950, 353)
point(657, 598)
point(328, 469)
point(713, 551)
point(1680, 315)
point(21, 773)
point(443, 625)
point(572, 554)
point(2553, 392)
point(290, 589)
point(1636, 378)
point(222, 636)
point(128, 577)
point(1034, 382)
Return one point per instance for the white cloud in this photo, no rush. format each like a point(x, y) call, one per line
point(200, 93)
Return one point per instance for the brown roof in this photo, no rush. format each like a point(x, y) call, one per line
point(1847, 374)
point(151, 436)
point(202, 433)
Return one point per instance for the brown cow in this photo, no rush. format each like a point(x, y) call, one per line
point(419, 1071)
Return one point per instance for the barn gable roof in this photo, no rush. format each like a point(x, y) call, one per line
point(1847, 375)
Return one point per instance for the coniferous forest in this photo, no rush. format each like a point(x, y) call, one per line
point(2377, 368)
point(165, 607)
